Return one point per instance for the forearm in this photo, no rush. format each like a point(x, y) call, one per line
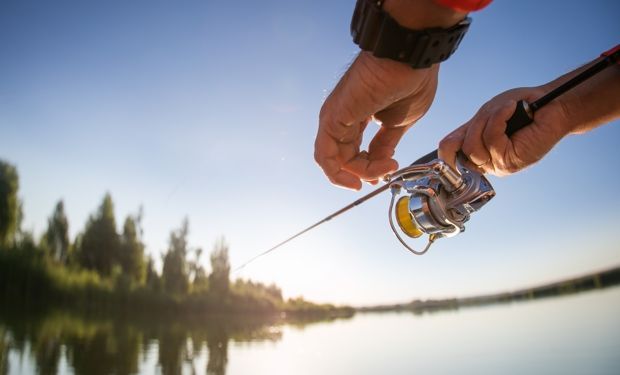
point(592, 103)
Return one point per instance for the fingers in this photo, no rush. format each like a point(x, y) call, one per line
point(371, 86)
point(450, 146)
point(378, 161)
point(329, 155)
point(370, 170)
point(338, 176)
point(337, 153)
point(496, 141)
point(482, 140)
point(384, 143)
point(473, 147)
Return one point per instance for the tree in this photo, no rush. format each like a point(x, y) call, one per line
point(132, 248)
point(9, 203)
point(219, 282)
point(100, 243)
point(56, 237)
point(153, 280)
point(199, 276)
point(175, 272)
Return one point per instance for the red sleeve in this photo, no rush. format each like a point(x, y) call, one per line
point(464, 6)
point(614, 52)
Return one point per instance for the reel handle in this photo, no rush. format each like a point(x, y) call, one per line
point(522, 117)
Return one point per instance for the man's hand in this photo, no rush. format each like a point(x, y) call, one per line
point(484, 142)
point(483, 139)
point(391, 93)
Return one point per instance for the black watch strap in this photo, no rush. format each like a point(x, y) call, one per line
point(374, 30)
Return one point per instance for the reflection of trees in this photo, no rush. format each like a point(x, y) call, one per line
point(47, 354)
point(95, 346)
point(90, 355)
point(181, 344)
point(217, 343)
point(112, 349)
point(4, 351)
point(172, 343)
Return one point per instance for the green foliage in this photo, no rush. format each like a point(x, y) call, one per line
point(200, 280)
point(56, 238)
point(175, 273)
point(9, 203)
point(258, 290)
point(153, 280)
point(219, 279)
point(198, 274)
point(132, 249)
point(100, 244)
point(300, 307)
point(27, 276)
point(108, 271)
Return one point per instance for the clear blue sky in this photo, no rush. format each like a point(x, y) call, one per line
point(209, 109)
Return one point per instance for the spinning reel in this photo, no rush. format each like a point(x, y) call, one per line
point(437, 200)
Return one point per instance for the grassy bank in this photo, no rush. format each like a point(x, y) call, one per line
point(29, 280)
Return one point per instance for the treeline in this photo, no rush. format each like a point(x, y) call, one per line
point(102, 269)
point(593, 281)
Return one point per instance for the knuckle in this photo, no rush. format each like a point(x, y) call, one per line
point(328, 116)
point(324, 114)
point(511, 168)
point(317, 157)
point(445, 143)
point(486, 107)
point(489, 137)
point(335, 179)
point(452, 141)
point(467, 148)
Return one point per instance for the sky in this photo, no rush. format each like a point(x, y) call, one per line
point(209, 109)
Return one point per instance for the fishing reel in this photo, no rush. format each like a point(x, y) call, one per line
point(437, 200)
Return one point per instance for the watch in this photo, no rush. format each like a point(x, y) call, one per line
point(374, 30)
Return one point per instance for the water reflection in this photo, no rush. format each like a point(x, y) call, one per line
point(574, 334)
point(92, 345)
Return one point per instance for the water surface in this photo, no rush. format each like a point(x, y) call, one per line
point(578, 334)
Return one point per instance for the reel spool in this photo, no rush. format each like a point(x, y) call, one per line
point(437, 200)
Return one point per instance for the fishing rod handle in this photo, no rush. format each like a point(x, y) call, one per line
point(522, 117)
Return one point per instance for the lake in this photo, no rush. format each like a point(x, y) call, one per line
point(576, 334)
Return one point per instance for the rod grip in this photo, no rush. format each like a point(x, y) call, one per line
point(522, 117)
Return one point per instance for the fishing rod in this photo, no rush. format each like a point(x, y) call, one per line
point(439, 200)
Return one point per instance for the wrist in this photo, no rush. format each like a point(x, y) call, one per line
point(379, 72)
point(426, 34)
point(557, 113)
point(421, 14)
point(590, 103)
point(566, 103)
